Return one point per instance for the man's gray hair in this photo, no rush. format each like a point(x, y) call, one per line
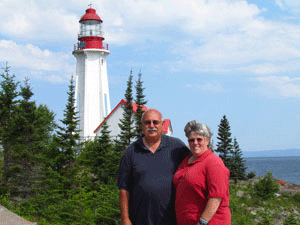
point(198, 128)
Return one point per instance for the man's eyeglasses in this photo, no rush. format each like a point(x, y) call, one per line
point(155, 122)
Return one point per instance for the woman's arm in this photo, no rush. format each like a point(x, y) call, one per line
point(211, 208)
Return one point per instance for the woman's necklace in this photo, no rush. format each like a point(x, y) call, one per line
point(192, 159)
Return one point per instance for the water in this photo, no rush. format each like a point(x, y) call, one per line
point(282, 168)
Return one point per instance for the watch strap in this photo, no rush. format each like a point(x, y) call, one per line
point(203, 222)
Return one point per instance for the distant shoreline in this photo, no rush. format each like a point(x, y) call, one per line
point(284, 186)
point(272, 153)
point(288, 187)
point(249, 157)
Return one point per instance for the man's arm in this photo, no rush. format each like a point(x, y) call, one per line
point(124, 201)
point(211, 208)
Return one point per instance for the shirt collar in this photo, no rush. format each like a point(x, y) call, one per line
point(162, 143)
point(202, 157)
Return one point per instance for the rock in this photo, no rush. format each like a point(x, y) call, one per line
point(240, 193)
point(9, 218)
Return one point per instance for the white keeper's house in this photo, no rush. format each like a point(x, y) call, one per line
point(91, 85)
point(112, 120)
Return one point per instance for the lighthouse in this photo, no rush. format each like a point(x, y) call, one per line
point(91, 90)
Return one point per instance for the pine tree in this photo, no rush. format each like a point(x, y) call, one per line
point(127, 123)
point(238, 168)
point(140, 101)
point(8, 103)
point(224, 145)
point(101, 157)
point(32, 127)
point(66, 142)
point(112, 156)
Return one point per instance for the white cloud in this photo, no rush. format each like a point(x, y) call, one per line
point(152, 20)
point(42, 64)
point(275, 86)
point(31, 20)
point(271, 48)
point(222, 36)
point(281, 4)
point(291, 5)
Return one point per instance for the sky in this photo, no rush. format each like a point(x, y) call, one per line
point(199, 59)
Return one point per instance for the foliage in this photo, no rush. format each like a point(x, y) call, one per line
point(247, 208)
point(68, 134)
point(297, 196)
point(26, 135)
point(140, 101)
point(126, 123)
point(66, 143)
point(101, 157)
point(238, 168)
point(44, 166)
point(32, 127)
point(8, 103)
point(251, 175)
point(291, 220)
point(224, 145)
point(266, 219)
point(266, 187)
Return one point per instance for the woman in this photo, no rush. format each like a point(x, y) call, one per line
point(201, 182)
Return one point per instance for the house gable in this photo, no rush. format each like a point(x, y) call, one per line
point(113, 119)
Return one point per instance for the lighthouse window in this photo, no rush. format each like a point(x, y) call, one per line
point(105, 102)
point(90, 28)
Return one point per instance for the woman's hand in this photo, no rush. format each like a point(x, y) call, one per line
point(211, 208)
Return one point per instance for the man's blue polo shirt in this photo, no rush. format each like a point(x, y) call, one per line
point(148, 179)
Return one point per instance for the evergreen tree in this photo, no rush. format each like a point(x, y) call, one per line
point(224, 145)
point(32, 127)
point(127, 123)
point(8, 103)
point(140, 101)
point(66, 142)
point(238, 168)
point(112, 156)
point(266, 187)
point(101, 157)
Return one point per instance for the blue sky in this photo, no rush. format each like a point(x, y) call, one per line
point(200, 59)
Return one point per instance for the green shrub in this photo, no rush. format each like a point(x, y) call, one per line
point(291, 220)
point(266, 187)
point(266, 220)
point(297, 196)
point(5, 199)
point(251, 175)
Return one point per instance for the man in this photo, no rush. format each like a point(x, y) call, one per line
point(146, 173)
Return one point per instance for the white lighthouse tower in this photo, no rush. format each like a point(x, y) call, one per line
point(92, 93)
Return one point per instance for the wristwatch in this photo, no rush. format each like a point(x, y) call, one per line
point(203, 222)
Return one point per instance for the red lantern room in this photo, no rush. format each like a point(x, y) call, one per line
point(90, 35)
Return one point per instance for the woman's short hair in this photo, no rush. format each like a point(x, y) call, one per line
point(198, 128)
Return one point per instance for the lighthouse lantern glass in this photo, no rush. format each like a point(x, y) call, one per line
point(90, 28)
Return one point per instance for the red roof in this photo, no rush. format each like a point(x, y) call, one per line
point(166, 125)
point(166, 122)
point(90, 14)
point(135, 106)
